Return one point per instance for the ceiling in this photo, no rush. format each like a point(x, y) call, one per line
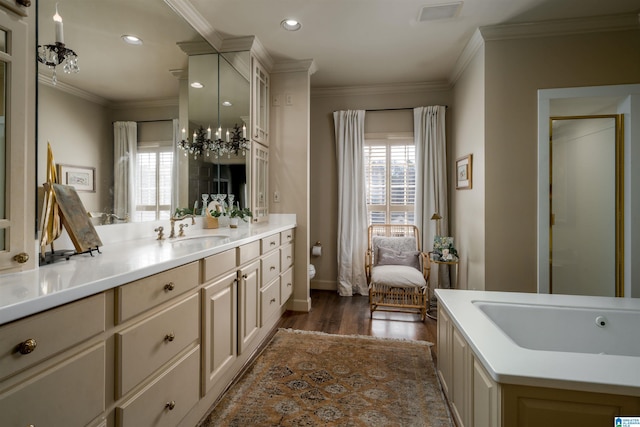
point(353, 42)
point(370, 42)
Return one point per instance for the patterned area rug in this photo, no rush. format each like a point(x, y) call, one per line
point(316, 379)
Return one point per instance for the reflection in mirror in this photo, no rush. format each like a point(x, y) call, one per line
point(122, 92)
point(218, 103)
point(3, 149)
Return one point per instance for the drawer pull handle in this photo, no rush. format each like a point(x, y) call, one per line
point(170, 405)
point(272, 300)
point(288, 256)
point(169, 287)
point(289, 284)
point(272, 268)
point(170, 337)
point(27, 346)
point(245, 277)
point(272, 243)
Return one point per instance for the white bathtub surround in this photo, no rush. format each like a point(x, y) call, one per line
point(130, 252)
point(556, 341)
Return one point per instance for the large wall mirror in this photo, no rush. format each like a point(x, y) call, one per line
point(144, 90)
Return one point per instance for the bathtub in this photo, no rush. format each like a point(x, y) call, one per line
point(558, 341)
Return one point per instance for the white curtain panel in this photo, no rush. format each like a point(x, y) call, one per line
point(125, 143)
point(352, 206)
point(431, 178)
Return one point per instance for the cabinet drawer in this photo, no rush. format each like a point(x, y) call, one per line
point(270, 300)
point(287, 236)
point(248, 252)
point(217, 264)
point(286, 285)
point(52, 332)
point(286, 257)
point(72, 393)
point(139, 296)
point(167, 399)
point(147, 345)
point(270, 243)
point(270, 267)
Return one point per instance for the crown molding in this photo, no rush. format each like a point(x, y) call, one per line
point(189, 13)
point(263, 55)
point(468, 53)
point(180, 73)
point(72, 90)
point(156, 103)
point(622, 22)
point(424, 87)
point(196, 48)
point(303, 65)
point(237, 44)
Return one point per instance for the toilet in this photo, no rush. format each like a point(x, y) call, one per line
point(312, 271)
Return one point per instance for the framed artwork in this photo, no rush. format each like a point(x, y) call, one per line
point(464, 172)
point(80, 177)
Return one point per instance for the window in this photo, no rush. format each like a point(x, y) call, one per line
point(390, 175)
point(154, 164)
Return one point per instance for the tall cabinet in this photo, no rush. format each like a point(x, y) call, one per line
point(259, 140)
point(17, 135)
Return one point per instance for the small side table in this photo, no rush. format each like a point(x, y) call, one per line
point(433, 303)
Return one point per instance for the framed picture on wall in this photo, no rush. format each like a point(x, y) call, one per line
point(80, 177)
point(463, 172)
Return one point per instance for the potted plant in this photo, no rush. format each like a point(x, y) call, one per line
point(237, 214)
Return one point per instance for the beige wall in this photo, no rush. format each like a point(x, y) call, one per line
point(289, 168)
point(514, 71)
point(323, 189)
point(468, 206)
point(80, 135)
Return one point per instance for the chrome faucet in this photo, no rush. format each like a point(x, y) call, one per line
point(109, 218)
point(173, 220)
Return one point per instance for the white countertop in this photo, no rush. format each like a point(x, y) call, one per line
point(26, 293)
point(509, 363)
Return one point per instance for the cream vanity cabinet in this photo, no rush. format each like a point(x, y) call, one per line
point(248, 295)
point(17, 77)
point(157, 347)
point(52, 367)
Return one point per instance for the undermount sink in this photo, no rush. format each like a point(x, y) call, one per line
point(210, 238)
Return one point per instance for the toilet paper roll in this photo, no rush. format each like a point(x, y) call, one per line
point(316, 250)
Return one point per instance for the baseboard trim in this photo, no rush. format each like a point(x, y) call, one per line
point(300, 305)
point(324, 285)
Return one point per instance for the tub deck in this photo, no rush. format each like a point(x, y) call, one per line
point(538, 360)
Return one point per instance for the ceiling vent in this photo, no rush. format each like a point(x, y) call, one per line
point(438, 12)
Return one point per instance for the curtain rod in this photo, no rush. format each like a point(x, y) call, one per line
point(396, 109)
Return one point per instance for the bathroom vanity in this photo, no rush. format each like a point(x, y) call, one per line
point(147, 332)
point(516, 359)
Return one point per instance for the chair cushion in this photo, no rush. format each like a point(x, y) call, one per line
point(397, 243)
point(400, 276)
point(388, 256)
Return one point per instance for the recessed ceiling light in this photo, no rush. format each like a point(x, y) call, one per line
point(197, 85)
point(291, 25)
point(131, 39)
point(227, 103)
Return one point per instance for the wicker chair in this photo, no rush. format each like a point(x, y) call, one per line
point(397, 270)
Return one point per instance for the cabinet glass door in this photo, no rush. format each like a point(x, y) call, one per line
point(3, 145)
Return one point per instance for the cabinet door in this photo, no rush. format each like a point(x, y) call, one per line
point(249, 296)
point(16, 169)
point(260, 182)
point(460, 378)
point(444, 351)
point(219, 331)
point(260, 103)
point(485, 398)
point(72, 393)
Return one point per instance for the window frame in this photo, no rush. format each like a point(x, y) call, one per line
point(156, 147)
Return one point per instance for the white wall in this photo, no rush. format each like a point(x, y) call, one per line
point(468, 206)
point(289, 167)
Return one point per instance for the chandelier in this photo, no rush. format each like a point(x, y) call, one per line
point(202, 144)
point(53, 55)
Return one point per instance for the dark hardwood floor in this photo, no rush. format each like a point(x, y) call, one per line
point(333, 314)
